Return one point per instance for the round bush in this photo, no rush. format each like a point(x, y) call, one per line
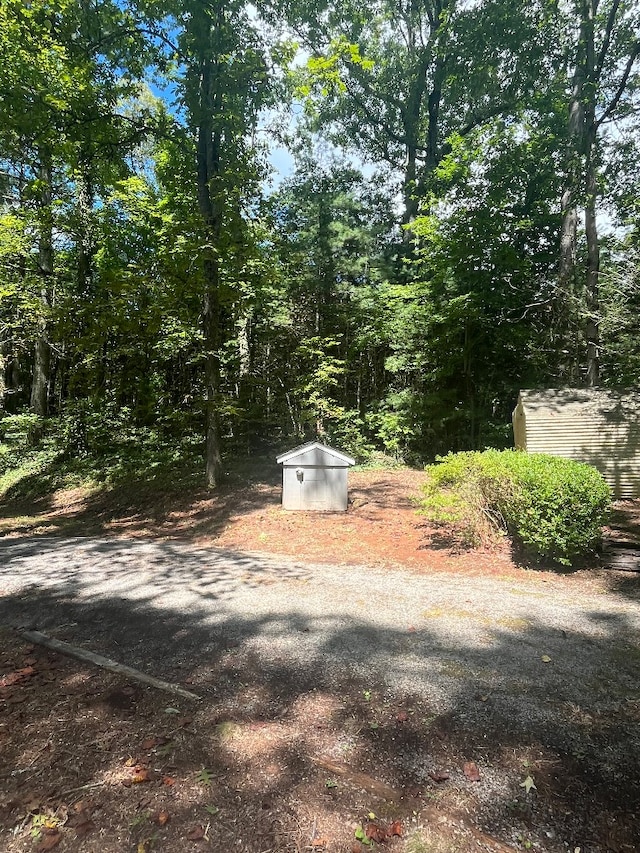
point(553, 508)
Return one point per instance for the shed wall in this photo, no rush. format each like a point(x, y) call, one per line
point(321, 489)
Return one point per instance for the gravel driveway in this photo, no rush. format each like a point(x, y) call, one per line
point(154, 604)
point(542, 657)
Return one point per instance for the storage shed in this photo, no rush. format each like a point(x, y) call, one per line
point(314, 476)
point(594, 425)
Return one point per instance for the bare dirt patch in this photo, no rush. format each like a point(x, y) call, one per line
point(381, 526)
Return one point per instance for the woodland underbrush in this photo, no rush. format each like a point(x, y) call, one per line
point(37, 456)
point(40, 456)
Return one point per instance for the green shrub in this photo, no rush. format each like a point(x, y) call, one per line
point(553, 508)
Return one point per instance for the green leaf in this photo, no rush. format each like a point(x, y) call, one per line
point(361, 836)
point(204, 777)
point(528, 784)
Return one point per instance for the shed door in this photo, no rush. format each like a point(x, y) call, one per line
point(313, 489)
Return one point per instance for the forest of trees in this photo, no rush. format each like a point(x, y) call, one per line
point(461, 219)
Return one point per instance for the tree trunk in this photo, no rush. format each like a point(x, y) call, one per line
point(591, 285)
point(85, 243)
point(568, 291)
point(592, 301)
point(211, 319)
point(3, 384)
point(42, 352)
point(410, 198)
point(208, 165)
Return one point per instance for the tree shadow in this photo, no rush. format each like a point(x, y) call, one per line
point(346, 682)
point(171, 503)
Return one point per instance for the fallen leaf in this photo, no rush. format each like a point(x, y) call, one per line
point(162, 818)
point(168, 780)
point(470, 770)
point(362, 839)
point(141, 776)
point(528, 784)
point(182, 722)
point(50, 840)
point(150, 743)
point(439, 775)
point(85, 828)
point(375, 832)
point(204, 777)
point(130, 762)
point(319, 842)
point(26, 672)
point(395, 829)
point(196, 833)
point(545, 658)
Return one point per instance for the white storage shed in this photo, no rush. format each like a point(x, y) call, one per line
point(594, 425)
point(314, 477)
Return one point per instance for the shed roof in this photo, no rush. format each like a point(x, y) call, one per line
point(580, 401)
point(323, 449)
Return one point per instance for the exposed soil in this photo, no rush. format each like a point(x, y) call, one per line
point(274, 761)
point(381, 527)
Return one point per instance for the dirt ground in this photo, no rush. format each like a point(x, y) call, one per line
point(93, 761)
point(381, 526)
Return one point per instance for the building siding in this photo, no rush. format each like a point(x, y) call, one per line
point(320, 489)
point(599, 427)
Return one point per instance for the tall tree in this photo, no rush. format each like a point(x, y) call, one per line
point(397, 80)
point(603, 51)
point(68, 65)
point(223, 86)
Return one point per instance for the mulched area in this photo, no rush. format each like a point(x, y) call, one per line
point(382, 526)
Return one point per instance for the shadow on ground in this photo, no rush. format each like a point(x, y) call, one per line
point(308, 720)
point(136, 506)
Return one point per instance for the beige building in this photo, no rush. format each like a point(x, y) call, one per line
point(594, 425)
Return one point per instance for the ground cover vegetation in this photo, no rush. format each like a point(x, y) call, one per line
point(460, 220)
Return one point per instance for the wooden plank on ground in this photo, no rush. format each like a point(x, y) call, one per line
point(106, 663)
point(621, 556)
